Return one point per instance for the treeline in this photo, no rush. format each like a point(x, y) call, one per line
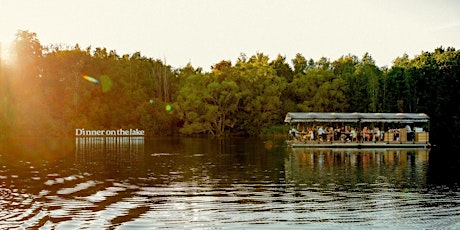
point(44, 90)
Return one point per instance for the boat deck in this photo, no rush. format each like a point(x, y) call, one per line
point(359, 145)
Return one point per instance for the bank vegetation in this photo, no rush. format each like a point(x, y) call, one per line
point(55, 90)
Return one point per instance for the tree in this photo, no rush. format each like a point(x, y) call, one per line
point(208, 102)
point(428, 83)
point(319, 90)
point(132, 91)
point(323, 64)
point(300, 64)
point(345, 65)
point(27, 98)
point(27, 52)
point(261, 88)
point(282, 68)
point(363, 89)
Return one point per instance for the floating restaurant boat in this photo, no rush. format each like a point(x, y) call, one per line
point(358, 130)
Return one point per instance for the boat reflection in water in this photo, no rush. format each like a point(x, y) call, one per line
point(358, 168)
point(124, 183)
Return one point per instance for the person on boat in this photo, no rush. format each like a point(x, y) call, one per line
point(330, 134)
point(306, 135)
point(294, 132)
point(366, 135)
point(346, 135)
point(408, 128)
point(353, 134)
point(310, 134)
point(376, 134)
point(300, 128)
point(396, 134)
point(338, 133)
point(320, 133)
point(410, 134)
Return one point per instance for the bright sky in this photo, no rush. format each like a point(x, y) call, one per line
point(205, 32)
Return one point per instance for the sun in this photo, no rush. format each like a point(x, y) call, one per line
point(7, 39)
point(5, 57)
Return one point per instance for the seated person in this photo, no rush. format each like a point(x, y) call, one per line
point(376, 134)
point(320, 133)
point(294, 133)
point(330, 134)
point(353, 134)
point(346, 135)
point(310, 134)
point(366, 134)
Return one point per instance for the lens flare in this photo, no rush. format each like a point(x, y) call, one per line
point(169, 108)
point(90, 79)
point(152, 101)
point(106, 83)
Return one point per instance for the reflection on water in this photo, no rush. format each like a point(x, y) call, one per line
point(116, 155)
point(110, 145)
point(221, 183)
point(402, 168)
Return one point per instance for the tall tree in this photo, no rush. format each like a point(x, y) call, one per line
point(26, 53)
point(261, 89)
point(300, 64)
point(207, 104)
point(282, 68)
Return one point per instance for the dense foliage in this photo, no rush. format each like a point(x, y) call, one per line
point(43, 89)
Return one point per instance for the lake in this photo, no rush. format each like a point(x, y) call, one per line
point(189, 183)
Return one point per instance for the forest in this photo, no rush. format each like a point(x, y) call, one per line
point(55, 89)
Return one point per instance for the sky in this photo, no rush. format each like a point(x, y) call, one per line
point(205, 32)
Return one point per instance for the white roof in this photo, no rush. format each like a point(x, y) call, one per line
point(357, 117)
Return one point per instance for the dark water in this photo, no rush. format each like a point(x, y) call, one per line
point(232, 183)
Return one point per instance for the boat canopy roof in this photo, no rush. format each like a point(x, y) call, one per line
point(357, 117)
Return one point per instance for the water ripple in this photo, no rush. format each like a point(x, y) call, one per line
point(159, 189)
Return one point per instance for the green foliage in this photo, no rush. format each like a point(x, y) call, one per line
point(54, 93)
point(249, 97)
point(262, 90)
point(207, 104)
point(275, 130)
point(282, 68)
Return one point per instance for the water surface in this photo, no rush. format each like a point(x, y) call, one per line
point(190, 183)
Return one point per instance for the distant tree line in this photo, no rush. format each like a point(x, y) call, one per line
point(43, 90)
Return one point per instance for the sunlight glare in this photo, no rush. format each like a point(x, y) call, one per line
point(169, 108)
point(106, 83)
point(4, 53)
point(90, 79)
